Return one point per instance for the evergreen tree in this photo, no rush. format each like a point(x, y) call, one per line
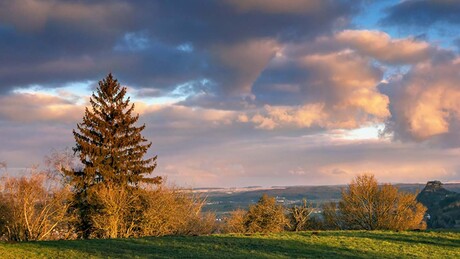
point(111, 149)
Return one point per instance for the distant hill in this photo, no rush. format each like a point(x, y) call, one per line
point(224, 200)
point(443, 205)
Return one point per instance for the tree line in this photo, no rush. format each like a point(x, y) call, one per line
point(109, 191)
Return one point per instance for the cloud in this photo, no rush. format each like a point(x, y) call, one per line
point(205, 172)
point(35, 15)
point(242, 63)
point(224, 149)
point(227, 21)
point(55, 42)
point(380, 46)
point(424, 103)
point(307, 160)
point(140, 40)
point(183, 117)
point(333, 82)
point(28, 108)
point(34, 108)
point(278, 6)
point(333, 90)
point(282, 116)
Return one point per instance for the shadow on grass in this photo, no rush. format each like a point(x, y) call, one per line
point(204, 247)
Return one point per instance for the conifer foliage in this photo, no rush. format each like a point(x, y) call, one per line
point(111, 149)
point(109, 145)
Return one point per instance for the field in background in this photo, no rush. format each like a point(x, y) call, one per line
point(324, 244)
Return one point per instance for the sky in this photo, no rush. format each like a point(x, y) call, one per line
point(240, 93)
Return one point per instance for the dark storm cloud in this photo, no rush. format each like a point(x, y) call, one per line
point(208, 21)
point(53, 42)
point(158, 65)
point(239, 39)
point(423, 12)
point(155, 44)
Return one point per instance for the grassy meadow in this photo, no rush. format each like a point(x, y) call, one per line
point(323, 244)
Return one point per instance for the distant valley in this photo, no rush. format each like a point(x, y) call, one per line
point(224, 200)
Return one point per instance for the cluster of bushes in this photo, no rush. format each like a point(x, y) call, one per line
point(365, 205)
point(151, 211)
point(38, 208)
point(266, 216)
point(34, 208)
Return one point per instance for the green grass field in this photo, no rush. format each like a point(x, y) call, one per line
point(327, 244)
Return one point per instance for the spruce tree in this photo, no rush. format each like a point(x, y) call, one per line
point(111, 149)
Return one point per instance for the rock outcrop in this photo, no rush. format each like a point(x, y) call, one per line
point(443, 205)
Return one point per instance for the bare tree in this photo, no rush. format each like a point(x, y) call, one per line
point(366, 205)
point(299, 216)
point(60, 161)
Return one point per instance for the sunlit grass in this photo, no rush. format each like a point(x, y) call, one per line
point(324, 244)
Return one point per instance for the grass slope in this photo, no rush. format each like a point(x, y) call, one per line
point(328, 244)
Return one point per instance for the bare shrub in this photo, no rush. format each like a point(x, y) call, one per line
point(365, 205)
point(299, 216)
point(235, 222)
point(315, 223)
point(124, 211)
point(169, 211)
point(408, 214)
point(31, 211)
point(200, 224)
point(265, 217)
point(118, 211)
point(159, 214)
point(331, 219)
